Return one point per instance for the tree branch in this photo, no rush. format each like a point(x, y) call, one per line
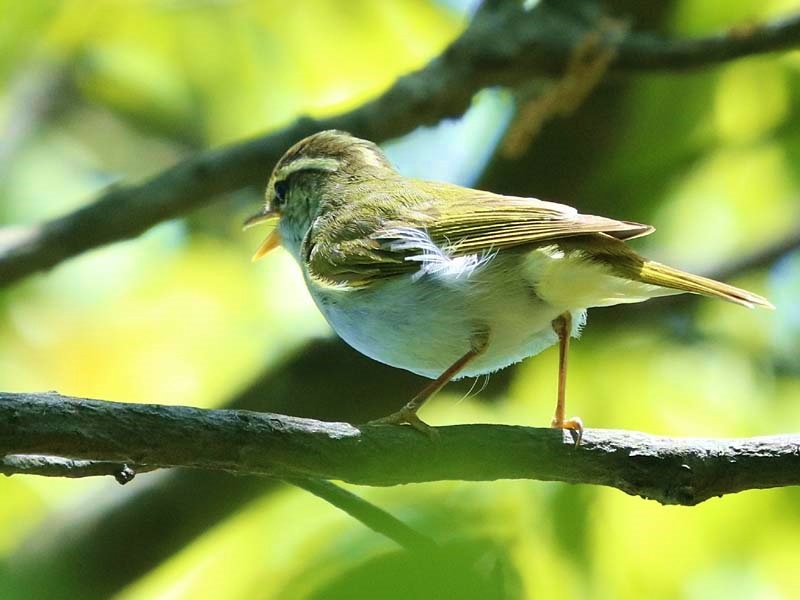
point(504, 45)
point(54, 466)
point(760, 258)
point(89, 542)
point(370, 515)
point(646, 53)
point(671, 471)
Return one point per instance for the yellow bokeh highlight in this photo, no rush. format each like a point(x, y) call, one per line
point(698, 17)
point(752, 97)
point(256, 65)
point(188, 330)
point(733, 201)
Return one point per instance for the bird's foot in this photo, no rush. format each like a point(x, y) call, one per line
point(407, 416)
point(573, 425)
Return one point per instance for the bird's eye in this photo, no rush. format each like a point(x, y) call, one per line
point(281, 188)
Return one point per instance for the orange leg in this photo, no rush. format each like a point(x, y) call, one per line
point(563, 328)
point(408, 414)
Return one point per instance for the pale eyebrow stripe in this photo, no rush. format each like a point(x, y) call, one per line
point(310, 164)
point(369, 156)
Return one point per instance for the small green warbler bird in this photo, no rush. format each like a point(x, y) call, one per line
point(446, 281)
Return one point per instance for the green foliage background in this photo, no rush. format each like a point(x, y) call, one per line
point(97, 91)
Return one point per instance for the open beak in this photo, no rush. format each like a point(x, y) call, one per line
point(273, 239)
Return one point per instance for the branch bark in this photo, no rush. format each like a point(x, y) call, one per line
point(504, 45)
point(671, 471)
point(55, 466)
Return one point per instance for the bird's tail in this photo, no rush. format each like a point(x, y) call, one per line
point(661, 275)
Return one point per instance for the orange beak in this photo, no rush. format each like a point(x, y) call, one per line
point(273, 239)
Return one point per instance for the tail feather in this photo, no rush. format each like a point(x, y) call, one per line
point(657, 274)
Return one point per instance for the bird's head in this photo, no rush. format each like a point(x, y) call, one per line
point(313, 176)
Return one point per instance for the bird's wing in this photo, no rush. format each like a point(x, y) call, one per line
point(423, 229)
point(486, 222)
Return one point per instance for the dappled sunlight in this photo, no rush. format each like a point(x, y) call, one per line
point(155, 336)
point(739, 198)
point(693, 541)
point(99, 95)
point(752, 98)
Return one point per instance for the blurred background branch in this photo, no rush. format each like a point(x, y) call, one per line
point(671, 471)
point(506, 44)
point(370, 515)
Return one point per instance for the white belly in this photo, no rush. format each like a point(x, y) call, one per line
point(424, 325)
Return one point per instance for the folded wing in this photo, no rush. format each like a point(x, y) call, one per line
point(365, 246)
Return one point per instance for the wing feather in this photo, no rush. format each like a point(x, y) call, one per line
point(485, 222)
point(357, 247)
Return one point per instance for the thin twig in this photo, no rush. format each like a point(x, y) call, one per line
point(585, 70)
point(54, 466)
point(646, 52)
point(760, 258)
point(370, 515)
